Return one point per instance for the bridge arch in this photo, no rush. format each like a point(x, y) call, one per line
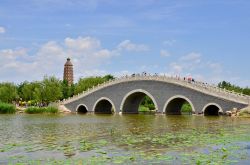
point(132, 100)
point(212, 109)
point(104, 105)
point(81, 108)
point(173, 105)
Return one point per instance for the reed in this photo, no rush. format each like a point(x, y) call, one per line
point(34, 110)
point(7, 108)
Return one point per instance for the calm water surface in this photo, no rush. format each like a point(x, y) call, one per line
point(123, 139)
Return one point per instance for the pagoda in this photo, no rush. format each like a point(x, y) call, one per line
point(68, 74)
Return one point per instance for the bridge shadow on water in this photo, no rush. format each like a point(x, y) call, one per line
point(209, 115)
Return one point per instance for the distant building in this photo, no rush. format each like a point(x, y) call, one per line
point(68, 74)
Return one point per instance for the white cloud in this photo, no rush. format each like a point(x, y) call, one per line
point(164, 53)
point(9, 57)
point(94, 72)
point(15, 64)
point(193, 65)
point(50, 49)
point(186, 64)
point(176, 68)
point(169, 42)
point(123, 73)
point(2, 30)
point(215, 67)
point(82, 44)
point(192, 57)
point(103, 53)
point(127, 45)
point(87, 55)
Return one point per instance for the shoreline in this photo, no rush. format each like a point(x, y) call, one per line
point(245, 112)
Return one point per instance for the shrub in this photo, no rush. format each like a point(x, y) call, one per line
point(7, 108)
point(51, 109)
point(186, 107)
point(143, 108)
point(245, 112)
point(151, 106)
point(33, 110)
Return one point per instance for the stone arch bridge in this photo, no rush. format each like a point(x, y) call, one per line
point(168, 94)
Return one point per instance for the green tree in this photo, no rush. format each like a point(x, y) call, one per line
point(26, 91)
point(246, 91)
point(85, 83)
point(71, 90)
point(8, 92)
point(108, 77)
point(67, 90)
point(37, 92)
point(51, 89)
point(186, 107)
point(148, 103)
point(235, 88)
point(30, 91)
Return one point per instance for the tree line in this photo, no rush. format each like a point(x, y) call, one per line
point(48, 90)
point(51, 89)
point(235, 88)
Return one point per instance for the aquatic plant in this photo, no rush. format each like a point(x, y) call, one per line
point(210, 141)
point(7, 108)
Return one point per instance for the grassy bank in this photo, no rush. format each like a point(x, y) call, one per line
point(7, 108)
point(34, 110)
point(245, 112)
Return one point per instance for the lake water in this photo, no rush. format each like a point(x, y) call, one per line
point(124, 139)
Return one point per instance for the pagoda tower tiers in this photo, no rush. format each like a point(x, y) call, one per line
point(68, 74)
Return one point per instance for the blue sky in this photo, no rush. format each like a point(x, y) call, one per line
point(208, 40)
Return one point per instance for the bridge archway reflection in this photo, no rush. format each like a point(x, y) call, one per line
point(174, 105)
point(104, 106)
point(81, 109)
point(131, 102)
point(212, 109)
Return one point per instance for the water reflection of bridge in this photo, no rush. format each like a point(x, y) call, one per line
point(168, 95)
